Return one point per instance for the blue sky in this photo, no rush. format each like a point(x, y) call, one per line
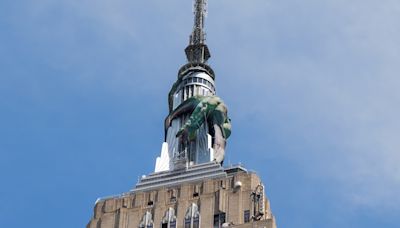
point(311, 86)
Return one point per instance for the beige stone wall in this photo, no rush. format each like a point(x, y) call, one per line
point(211, 196)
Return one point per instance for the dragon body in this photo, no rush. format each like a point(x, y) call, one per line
point(201, 109)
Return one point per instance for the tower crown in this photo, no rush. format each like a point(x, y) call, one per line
point(197, 50)
point(188, 174)
point(197, 125)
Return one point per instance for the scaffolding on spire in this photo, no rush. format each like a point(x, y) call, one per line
point(197, 51)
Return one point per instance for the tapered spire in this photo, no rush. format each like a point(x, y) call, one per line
point(197, 51)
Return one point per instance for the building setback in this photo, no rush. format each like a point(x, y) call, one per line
point(190, 188)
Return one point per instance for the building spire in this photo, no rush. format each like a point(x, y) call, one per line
point(197, 51)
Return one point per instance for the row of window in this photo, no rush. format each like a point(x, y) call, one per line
point(192, 218)
point(172, 195)
point(198, 80)
point(194, 90)
point(206, 88)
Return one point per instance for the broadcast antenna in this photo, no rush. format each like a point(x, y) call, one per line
point(197, 51)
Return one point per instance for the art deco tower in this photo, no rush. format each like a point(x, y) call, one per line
point(189, 187)
point(197, 126)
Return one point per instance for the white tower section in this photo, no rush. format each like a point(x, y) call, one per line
point(195, 78)
point(200, 150)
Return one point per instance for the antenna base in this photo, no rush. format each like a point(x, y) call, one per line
point(197, 53)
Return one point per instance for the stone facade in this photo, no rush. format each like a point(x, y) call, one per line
point(236, 200)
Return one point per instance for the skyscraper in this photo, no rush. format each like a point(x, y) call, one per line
point(190, 188)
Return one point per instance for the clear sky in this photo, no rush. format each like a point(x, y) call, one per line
point(312, 88)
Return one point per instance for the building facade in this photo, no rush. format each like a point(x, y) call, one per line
point(190, 188)
point(206, 195)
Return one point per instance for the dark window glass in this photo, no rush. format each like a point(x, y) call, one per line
point(246, 216)
point(196, 222)
point(150, 226)
point(164, 225)
point(216, 221)
point(172, 224)
point(194, 79)
point(221, 218)
point(187, 223)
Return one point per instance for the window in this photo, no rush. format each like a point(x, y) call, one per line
point(222, 184)
point(196, 222)
point(196, 190)
point(151, 198)
point(187, 92)
point(247, 216)
point(219, 219)
point(147, 221)
point(216, 221)
point(172, 194)
point(169, 220)
point(191, 90)
point(188, 222)
point(192, 217)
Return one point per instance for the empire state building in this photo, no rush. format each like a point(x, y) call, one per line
point(190, 187)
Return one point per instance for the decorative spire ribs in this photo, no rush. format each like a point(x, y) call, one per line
point(197, 51)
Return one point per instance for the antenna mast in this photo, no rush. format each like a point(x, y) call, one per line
point(197, 51)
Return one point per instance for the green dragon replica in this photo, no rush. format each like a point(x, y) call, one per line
point(201, 109)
